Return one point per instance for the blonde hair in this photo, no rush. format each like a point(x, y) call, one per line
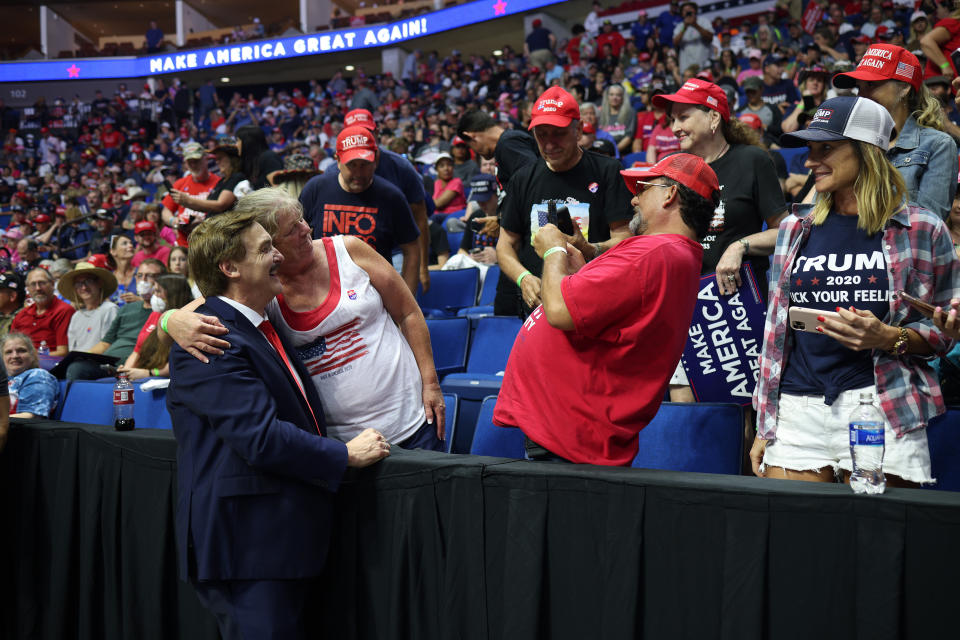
point(879, 190)
point(925, 108)
point(267, 203)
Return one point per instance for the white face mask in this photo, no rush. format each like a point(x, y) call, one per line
point(158, 304)
point(144, 288)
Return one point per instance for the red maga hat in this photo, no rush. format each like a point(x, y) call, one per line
point(359, 117)
point(356, 142)
point(689, 170)
point(697, 91)
point(883, 62)
point(555, 107)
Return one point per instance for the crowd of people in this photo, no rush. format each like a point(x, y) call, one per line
point(103, 197)
point(264, 250)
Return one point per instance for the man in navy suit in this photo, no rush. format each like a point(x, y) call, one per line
point(256, 473)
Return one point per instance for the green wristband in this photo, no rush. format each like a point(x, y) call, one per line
point(155, 372)
point(945, 66)
point(522, 276)
point(553, 250)
point(163, 319)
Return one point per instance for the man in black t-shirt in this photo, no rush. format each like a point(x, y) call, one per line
point(512, 150)
point(586, 183)
point(356, 202)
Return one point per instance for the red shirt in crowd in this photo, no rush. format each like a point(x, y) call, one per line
point(160, 251)
point(51, 325)
point(631, 309)
point(187, 216)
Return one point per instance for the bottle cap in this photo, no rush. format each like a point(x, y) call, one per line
point(866, 396)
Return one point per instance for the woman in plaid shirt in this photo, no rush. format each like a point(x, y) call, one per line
point(849, 254)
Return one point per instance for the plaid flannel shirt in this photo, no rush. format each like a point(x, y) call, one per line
point(921, 261)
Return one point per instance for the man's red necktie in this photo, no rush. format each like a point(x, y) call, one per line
point(274, 339)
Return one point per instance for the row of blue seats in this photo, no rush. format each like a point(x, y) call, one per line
point(91, 402)
point(470, 354)
point(458, 292)
point(698, 437)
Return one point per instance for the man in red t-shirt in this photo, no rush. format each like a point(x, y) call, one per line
point(145, 233)
point(590, 365)
point(198, 183)
point(47, 319)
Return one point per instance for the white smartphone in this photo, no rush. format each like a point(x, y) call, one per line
point(804, 319)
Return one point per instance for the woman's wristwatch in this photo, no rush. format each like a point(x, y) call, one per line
point(900, 345)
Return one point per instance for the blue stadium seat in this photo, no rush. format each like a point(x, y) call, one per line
point(449, 292)
point(61, 399)
point(491, 440)
point(449, 338)
point(630, 158)
point(89, 402)
point(487, 295)
point(703, 437)
point(943, 438)
point(489, 290)
point(150, 409)
point(489, 350)
point(451, 403)
point(454, 238)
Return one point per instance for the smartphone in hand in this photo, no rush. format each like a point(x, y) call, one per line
point(925, 309)
point(804, 319)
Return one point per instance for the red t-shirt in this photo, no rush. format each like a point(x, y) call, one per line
point(662, 138)
point(585, 394)
point(459, 201)
point(952, 25)
point(160, 251)
point(51, 326)
point(147, 329)
point(186, 216)
point(614, 39)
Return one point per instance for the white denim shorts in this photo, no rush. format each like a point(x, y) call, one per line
point(812, 435)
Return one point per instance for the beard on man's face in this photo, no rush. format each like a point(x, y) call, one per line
point(638, 224)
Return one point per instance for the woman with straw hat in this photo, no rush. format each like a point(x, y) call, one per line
point(88, 288)
point(297, 169)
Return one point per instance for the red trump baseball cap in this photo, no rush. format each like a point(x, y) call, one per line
point(687, 169)
point(359, 117)
point(356, 142)
point(883, 62)
point(700, 92)
point(554, 106)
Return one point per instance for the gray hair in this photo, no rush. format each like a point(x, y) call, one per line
point(266, 204)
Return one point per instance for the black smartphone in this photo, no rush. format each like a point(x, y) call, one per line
point(559, 217)
point(564, 222)
point(955, 56)
point(168, 184)
point(808, 103)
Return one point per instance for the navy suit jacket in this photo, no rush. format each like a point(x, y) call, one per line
point(255, 478)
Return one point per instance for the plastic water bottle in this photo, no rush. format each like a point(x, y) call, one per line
point(44, 349)
point(123, 403)
point(866, 447)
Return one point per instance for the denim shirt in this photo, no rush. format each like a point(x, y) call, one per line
point(921, 261)
point(927, 160)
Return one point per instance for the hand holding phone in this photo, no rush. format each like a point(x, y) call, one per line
point(804, 319)
point(925, 309)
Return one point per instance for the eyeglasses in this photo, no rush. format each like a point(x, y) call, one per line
point(86, 282)
point(39, 284)
point(647, 185)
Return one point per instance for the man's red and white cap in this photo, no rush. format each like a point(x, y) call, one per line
point(697, 91)
point(556, 107)
point(356, 142)
point(360, 117)
point(883, 62)
point(687, 169)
